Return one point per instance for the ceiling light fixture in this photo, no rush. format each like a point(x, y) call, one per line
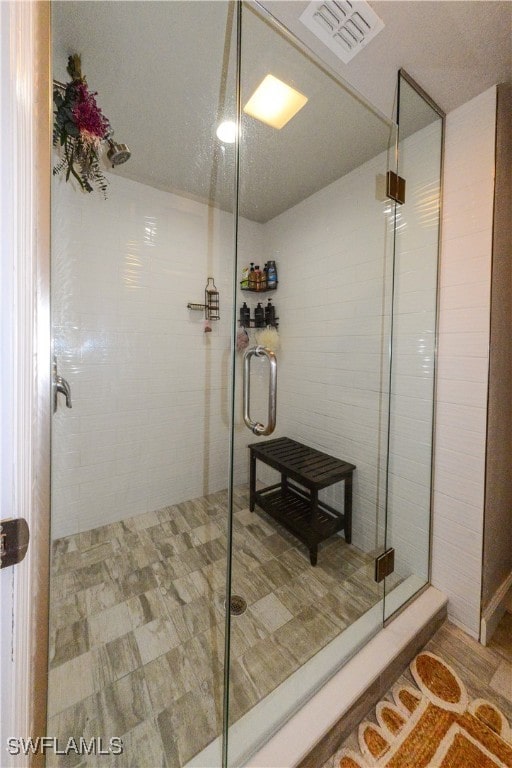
point(227, 131)
point(274, 103)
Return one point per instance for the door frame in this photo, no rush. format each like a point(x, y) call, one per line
point(25, 367)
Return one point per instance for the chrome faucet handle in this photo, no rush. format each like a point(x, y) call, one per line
point(59, 384)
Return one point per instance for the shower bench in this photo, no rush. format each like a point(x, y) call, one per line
point(298, 508)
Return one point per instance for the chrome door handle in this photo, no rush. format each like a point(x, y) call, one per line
point(255, 426)
point(59, 384)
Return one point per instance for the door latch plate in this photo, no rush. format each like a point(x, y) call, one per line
point(14, 538)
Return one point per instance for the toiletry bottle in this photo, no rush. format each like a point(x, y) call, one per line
point(259, 316)
point(245, 316)
point(271, 274)
point(270, 314)
point(264, 282)
point(252, 277)
point(245, 278)
point(258, 277)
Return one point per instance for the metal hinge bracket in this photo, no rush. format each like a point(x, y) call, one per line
point(384, 565)
point(395, 187)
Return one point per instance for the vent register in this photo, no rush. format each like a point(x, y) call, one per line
point(344, 26)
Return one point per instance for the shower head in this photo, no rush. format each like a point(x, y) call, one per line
point(118, 153)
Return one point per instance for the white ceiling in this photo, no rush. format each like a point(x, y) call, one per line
point(455, 49)
point(165, 76)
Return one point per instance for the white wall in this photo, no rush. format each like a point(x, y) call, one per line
point(149, 423)
point(463, 357)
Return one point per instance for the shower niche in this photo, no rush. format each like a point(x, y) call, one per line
point(151, 499)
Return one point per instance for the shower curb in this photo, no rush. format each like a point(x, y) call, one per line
point(314, 733)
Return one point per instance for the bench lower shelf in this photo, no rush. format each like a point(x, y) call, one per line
point(291, 507)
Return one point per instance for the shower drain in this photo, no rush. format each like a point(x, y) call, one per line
point(237, 605)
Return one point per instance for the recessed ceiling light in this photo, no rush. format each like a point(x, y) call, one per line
point(274, 103)
point(226, 132)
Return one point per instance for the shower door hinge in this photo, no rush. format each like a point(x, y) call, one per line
point(384, 564)
point(395, 187)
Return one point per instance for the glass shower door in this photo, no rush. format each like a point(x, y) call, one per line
point(142, 287)
point(314, 274)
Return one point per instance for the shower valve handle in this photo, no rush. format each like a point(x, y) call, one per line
point(59, 385)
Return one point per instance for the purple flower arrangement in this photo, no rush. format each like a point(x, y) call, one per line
point(79, 129)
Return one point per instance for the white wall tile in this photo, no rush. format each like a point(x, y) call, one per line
point(137, 359)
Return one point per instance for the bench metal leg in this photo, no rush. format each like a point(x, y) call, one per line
point(348, 509)
point(313, 541)
point(252, 483)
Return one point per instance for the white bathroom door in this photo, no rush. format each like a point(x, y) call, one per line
point(24, 373)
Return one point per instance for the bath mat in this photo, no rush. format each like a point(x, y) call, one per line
point(433, 726)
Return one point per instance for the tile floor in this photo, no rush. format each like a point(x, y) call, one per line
point(137, 624)
point(486, 671)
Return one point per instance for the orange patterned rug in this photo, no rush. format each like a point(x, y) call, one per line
point(433, 727)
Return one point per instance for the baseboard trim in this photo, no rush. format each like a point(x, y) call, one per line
point(495, 611)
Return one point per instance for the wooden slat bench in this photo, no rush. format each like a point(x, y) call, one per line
point(298, 508)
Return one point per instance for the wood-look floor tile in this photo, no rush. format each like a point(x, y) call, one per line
point(169, 738)
point(210, 580)
point(102, 596)
point(68, 610)
point(168, 678)
point(136, 582)
point(251, 585)
point(91, 575)
point(146, 607)
point(195, 720)
point(68, 641)
point(109, 624)
point(501, 681)
point(501, 641)
point(199, 615)
point(339, 608)
point(204, 533)
point(115, 659)
point(156, 638)
point(243, 694)
point(124, 704)
point(246, 630)
point(80, 719)
point(270, 612)
point(266, 666)
point(305, 634)
point(69, 683)
point(142, 746)
point(206, 651)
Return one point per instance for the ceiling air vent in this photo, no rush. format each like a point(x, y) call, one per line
point(345, 26)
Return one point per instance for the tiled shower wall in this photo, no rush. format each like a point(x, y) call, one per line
point(149, 423)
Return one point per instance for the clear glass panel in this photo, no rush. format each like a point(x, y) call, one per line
point(414, 344)
point(141, 461)
point(312, 200)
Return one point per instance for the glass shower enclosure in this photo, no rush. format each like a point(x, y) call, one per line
point(222, 323)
